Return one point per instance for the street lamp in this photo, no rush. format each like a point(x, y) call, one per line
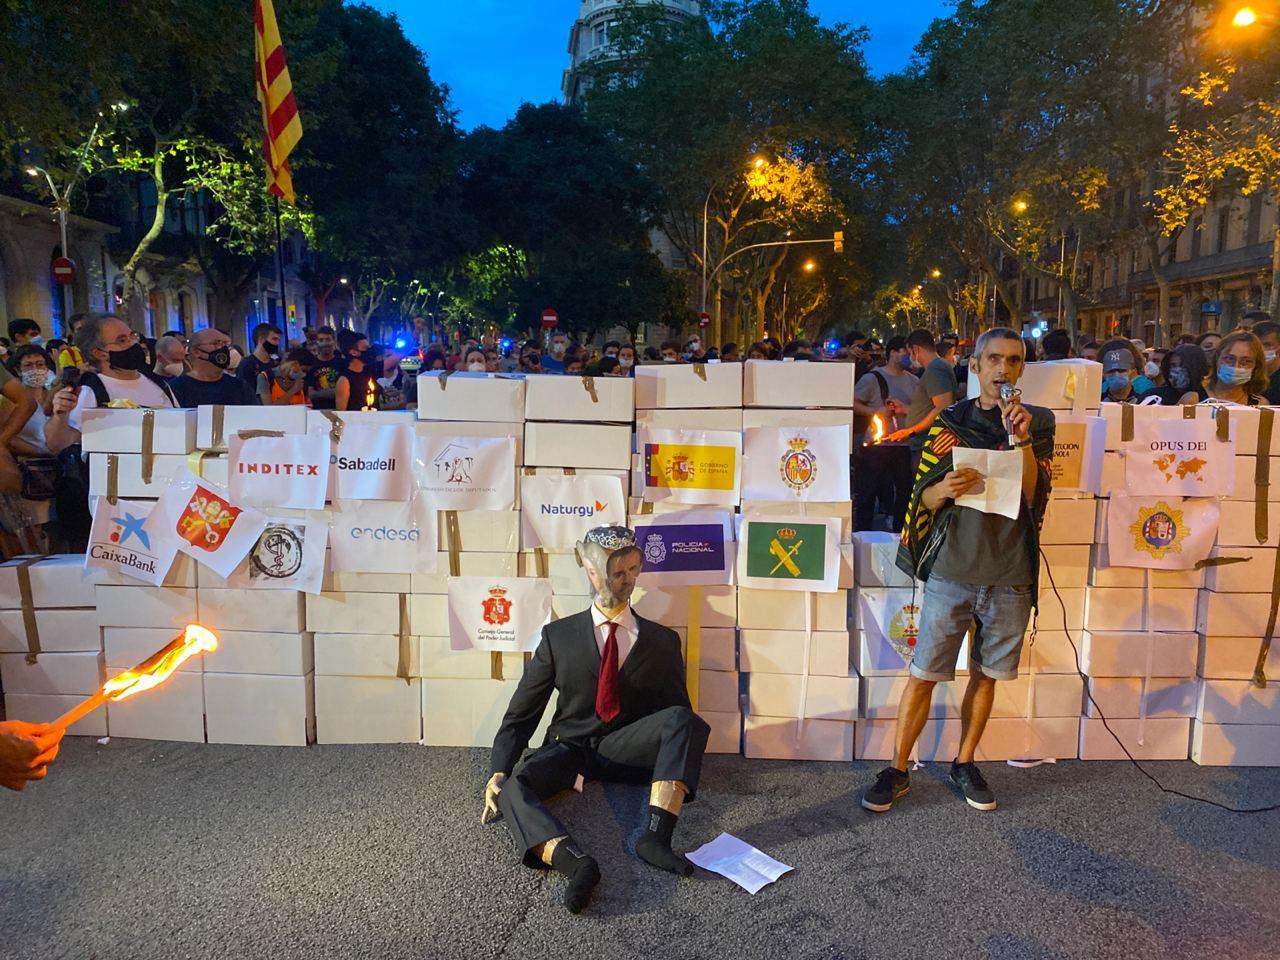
point(758, 162)
point(61, 203)
point(1020, 206)
point(809, 266)
point(935, 273)
point(1245, 17)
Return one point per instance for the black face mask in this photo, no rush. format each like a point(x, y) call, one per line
point(133, 358)
point(220, 358)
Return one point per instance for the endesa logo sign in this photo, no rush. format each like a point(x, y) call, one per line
point(396, 534)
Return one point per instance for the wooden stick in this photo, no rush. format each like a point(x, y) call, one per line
point(81, 709)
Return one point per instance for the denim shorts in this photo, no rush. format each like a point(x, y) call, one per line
point(999, 616)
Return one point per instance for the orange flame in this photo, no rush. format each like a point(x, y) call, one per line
point(369, 396)
point(157, 669)
point(877, 427)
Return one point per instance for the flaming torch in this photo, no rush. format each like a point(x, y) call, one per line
point(877, 430)
point(151, 672)
point(369, 397)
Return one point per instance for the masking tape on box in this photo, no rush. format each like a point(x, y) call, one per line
point(1262, 473)
point(195, 462)
point(113, 478)
point(336, 423)
point(148, 444)
point(404, 654)
point(219, 417)
point(589, 385)
point(693, 646)
point(29, 608)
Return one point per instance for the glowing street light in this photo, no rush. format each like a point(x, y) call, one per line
point(935, 273)
point(809, 266)
point(758, 162)
point(1020, 206)
point(1245, 17)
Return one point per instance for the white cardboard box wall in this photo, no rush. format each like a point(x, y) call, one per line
point(1234, 658)
point(483, 531)
point(550, 396)
point(257, 709)
point(1234, 745)
point(466, 713)
point(1162, 739)
point(450, 430)
point(113, 430)
point(355, 612)
point(798, 418)
point(470, 396)
point(368, 710)
point(726, 419)
point(123, 648)
point(785, 609)
point(430, 614)
point(670, 606)
point(60, 580)
point(1129, 698)
point(583, 445)
point(1138, 654)
point(688, 385)
point(372, 582)
point(436, 661)
point(59, 631)
point(1069, 522)
point(1232, 614)
point(781, 738)
point(1246, 479)
point(1118, 609)
point(566, 575)
point(71, 673)
point(1238, 701)
point(363, 655)
point(717, 691)
point(263, 611)
point(726, 731)
point(718, 647)
point(778, 695)
point(144, 606)
point(782, 651)
point(47, 707)
point(129, 482)
point(255, 652)
point(1074, 384)
point(1253, 575)
point(778, 383)
point(172, 711)
point(1102, 574)
point(1237, 525)
point(288, 419)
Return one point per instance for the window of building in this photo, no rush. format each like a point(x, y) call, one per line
point(1224, 228)
point(601, 35)
point(184, 312)
point(1253, 225)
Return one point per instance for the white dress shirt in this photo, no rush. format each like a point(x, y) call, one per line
point(627, 633)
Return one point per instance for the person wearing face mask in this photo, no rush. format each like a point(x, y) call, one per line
point(670, 352)
point(171, 356)
point(358, 385)
point(693, 352)
point(1183, 370)
point(627, 360)
point(1268, 332)
point(120, 375)
point(1238, 373)
point(1120, 365)
point(474, 361)
point(554, 360)
point(882, 471)
point(611, 348)
point(286, 385)
point(322, 379)
point(208, 381)
point(25, 330)
point(265, 355)
point(31, 364)
point(935, 391)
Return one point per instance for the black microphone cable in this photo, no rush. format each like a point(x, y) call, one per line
point(1089, 693)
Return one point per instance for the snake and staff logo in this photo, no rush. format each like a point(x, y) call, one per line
point(799, 465)
point(278, 553)
point(1158, 530)
point(497, 608)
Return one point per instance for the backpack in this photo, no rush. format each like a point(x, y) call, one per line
point(860, 422)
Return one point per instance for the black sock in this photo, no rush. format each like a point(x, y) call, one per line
point(654, 846)
point(582, 872)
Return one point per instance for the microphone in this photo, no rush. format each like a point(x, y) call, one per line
point(1009, 392)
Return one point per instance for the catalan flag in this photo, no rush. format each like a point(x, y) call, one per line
point(281, 127)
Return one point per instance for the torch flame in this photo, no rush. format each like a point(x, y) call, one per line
point(156, 669)
point(877, 427)
point(369, 396)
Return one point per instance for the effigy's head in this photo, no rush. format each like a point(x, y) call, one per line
point(612, 561)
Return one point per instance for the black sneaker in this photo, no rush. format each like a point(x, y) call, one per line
point(890, 784)
point(969, 779)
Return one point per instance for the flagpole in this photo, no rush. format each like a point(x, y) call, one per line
point(284, 307)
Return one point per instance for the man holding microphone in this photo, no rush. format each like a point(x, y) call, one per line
point(979, 569)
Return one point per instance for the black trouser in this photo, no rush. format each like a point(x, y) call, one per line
point(883, 472)
point(667, 745)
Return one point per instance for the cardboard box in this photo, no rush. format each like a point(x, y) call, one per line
point(265, 710)
point(59, 631)
point(123, 648)
point(1234, 658)
point(1232, 614)
point(1140, 654)
point(726, 419)
point(604, 447)
point(842, 511)
point(1128, 698)
point(1242, 426)
point(726, 731)
point(1069, 564)
point(47, 707)
point(717, 691)
point(563, 570)
point(1234, 745)
point(1237, 525)
point(1074, 385)
point(363, 655)
point(181, 574)
point(1135, 578)
point(466, 713)
point(317, 422)
point(688, 385)
point(270, 654)
point(1118, 609)
point(567, 604)
point(172, 711)
point(1113, 414)
point(60, 580)
point(798, 418)
point(1069, 521)
point(1246, 487)
point(144, 606)
point(289, 419)
point(364, 613)
point(670, 606)
point(483, 397)
point(782, 651)
point(1005, 738)
point(115, 430)
point(430, 614)
point(875, 560)
point(778, 695)
point(1051, 609)
point(1112, 480)
point(265, 611)
point(452, 429)
point(436, 661)
point(551, 396)
point(1238, 701)
point(780, 738)
point(1253, 575)
point(777, 383)
point(785, 609)
point(374, 582)
point(1161, 739)
point(1050, 651)
point(129, 482)
point(70, 673)
point(368, 710)
point(483, 531)
point(718, 647)
point(470, 564)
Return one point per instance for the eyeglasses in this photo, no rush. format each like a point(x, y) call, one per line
point(124, 340)
point(1244, 363)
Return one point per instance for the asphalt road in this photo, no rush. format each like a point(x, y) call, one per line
point(155, 850)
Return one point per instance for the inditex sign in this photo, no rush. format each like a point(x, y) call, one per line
point(288, 471)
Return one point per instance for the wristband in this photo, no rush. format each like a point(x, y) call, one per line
point(1022, 443)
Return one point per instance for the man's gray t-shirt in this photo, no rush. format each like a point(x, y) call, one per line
point(902, 388)
point(938, 378)
point(987, 549)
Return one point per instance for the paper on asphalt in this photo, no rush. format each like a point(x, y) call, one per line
point(742, 863)
point(1001, 492)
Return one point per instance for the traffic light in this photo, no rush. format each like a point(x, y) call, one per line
point(838, 241)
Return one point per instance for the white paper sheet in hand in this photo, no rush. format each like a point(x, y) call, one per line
point(1001, 491)
point(742, 863)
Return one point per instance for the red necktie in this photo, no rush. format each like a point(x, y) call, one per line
point(607, 706)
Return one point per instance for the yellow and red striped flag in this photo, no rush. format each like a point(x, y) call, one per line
point(282, 129)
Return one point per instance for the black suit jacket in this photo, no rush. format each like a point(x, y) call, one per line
point(567, 660)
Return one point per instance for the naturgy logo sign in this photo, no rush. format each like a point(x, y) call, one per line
point(572, 510)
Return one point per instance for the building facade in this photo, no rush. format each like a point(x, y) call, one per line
point(589, 37)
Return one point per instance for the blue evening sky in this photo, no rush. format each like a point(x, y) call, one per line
point(495, 54)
